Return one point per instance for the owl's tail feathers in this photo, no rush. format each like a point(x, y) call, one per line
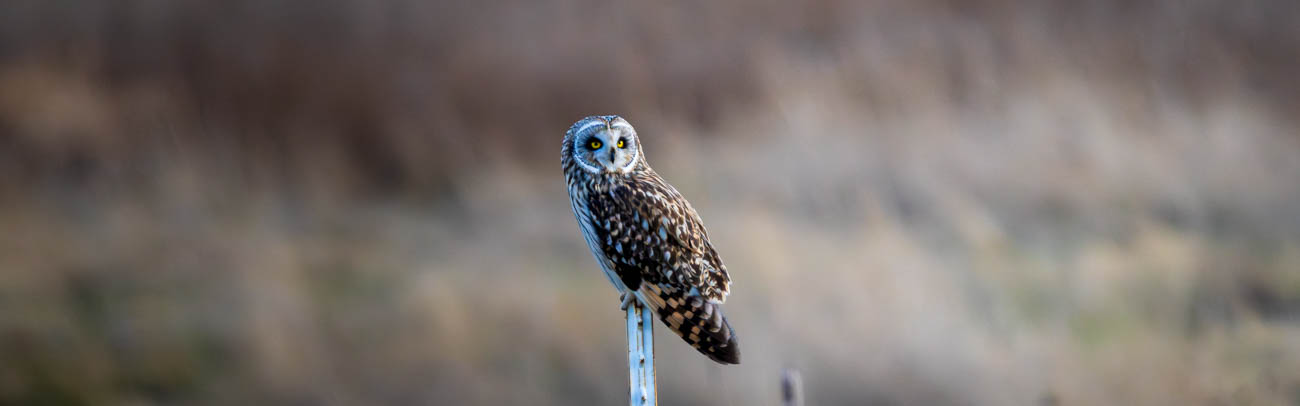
point(696, 320)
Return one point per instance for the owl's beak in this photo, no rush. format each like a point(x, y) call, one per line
point(607, 161)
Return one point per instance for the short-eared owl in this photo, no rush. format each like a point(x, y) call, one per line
point(646, 236)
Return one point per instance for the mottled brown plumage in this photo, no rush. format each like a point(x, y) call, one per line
point(645, 235)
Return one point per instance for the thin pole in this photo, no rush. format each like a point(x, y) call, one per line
point(791, 388)
point(640, 356)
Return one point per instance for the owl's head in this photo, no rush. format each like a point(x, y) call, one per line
point(603, 145)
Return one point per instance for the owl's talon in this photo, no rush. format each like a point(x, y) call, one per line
point(627, 298)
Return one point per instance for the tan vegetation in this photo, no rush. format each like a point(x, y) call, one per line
point(920, 202)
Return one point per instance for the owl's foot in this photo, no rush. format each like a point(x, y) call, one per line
point(627, 299)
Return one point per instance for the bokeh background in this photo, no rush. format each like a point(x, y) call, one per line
point(987, 202)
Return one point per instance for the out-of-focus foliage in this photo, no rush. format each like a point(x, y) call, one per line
point(920, 202)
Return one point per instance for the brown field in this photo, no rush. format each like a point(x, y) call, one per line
point(921, 202)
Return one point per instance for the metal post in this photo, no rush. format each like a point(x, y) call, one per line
point(640, 356)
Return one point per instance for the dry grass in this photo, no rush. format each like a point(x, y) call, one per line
point(921, 203)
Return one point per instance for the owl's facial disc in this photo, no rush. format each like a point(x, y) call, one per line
point(609, 150)
point(604, 145)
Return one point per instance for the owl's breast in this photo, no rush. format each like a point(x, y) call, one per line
point(587, 223)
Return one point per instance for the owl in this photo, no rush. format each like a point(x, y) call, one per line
point(646, 236)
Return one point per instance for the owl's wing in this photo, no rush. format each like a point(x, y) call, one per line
point(653, 235)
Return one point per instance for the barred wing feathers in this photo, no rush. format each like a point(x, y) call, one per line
point(659, 248)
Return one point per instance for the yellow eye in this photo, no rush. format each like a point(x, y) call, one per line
point(621, 144)
point(594, 144)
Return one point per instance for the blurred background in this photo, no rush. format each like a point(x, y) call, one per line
point(990, 202)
